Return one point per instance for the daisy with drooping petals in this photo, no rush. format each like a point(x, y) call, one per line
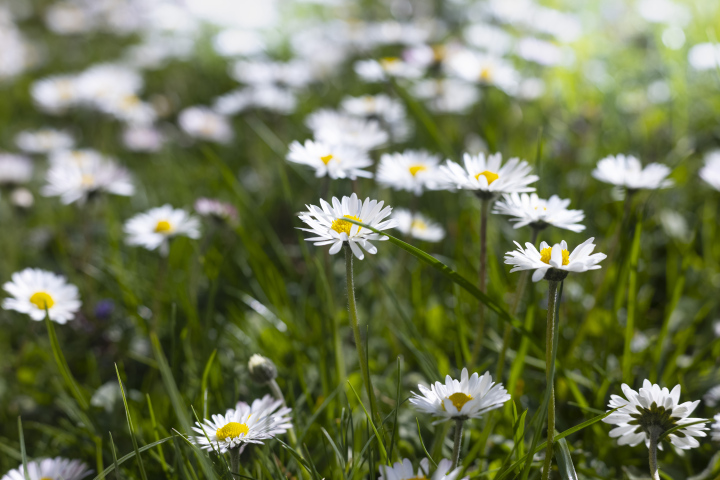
point(411, 170)
point(335, 161)
point(488, 177)
point(35, 292)
point(44, 140)
point(418, 226)
point(155, 227)
point(554, 263)
point(50, 469)
point(331, 229)
point(76, 181)
point(262, 420)
point(628, 172)
point(404, 471)
point(540, 213)
point(711, 171)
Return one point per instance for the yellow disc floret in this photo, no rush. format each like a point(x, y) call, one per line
point(46, 478)
point(343, 226)
point(163, 226)
point(491, 176)
point(458, 399)
point(414, 169)
point(232, 430)
point(42, 300)
point(418, 225)
point(326, 159)
point(546, 253)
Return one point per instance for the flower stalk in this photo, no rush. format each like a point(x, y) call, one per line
point(549, 367)
point(482, 279)
point(654, 435)
point(457, 444)
point(234, 460)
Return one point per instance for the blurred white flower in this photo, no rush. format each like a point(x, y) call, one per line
point(554, 263)
point(233, 102)
point(203, 123)
point(81, 157)
point(704, 56)
point(33, 291)
point(106, 82)
point(55, 94)
point(331, 229)
point(487, 37)
point(128, 108)
point(716, 428)
point(411, 170)
point(44, 140)
point(22, 198)
point(238, 42)
point(15, 169)
point(404, 471)
point(336, 128)
point(675, 225)
point(640, 342)
point(209, 207)
point(382, 107)
point(664, 11)
point(487, 176)
point(484, 69)
point(16, 54)
point(418, 226)
point(143, 139)
point(295, 73)
point(628, 172)
point(384, 68)
point(712, 397)
point(543, 52)
point(710, 172)
point(653, 408)
point(447, 95)
point(334, 161)
point(50, 468)
point(155, 227)
point(69, 18)
point(540, 213)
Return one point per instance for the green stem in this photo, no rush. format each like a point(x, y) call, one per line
point(549, 333)
point(234, 460)
point(353, 317)
point(477, 346)
point(654, 471)
point(457, 444)
point(277, 393)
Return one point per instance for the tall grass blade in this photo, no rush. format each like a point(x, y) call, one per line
point(63, 366)
point(130, 426)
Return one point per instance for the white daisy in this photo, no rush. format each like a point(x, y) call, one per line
point(554, 263)
point(540, 213)
point(411, 170)
point(75, 181)
point(44, 140)
point(418, 226)
point(33, 291)
point(243, 424)
point(627, 171)
point(334, 161)
point(716, 428)
point(106, 81)
point(55, 94)
point(328, 224)
point(205, 124)
point(15, 169)
point(711, 171)
point(383, 107)
point(488, 177)
point(653, 410)
point(404, 471)
point(447, 95)
point(143, 139)
point(336, 128)
point(712, 397)
point(155, 227)
point(485, 69)
point(50, 469)
point(470, 397)
point(81, 157)
point(387, 67)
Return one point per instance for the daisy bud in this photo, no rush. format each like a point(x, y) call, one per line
point(262, 369)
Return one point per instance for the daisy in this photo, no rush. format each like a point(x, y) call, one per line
point(104, 82)
point(447, 95)
point(470, 397)
point(155, 227)
point(488, 177)
point(652, 411)
point(554, 263)
point(203, 123)
point(404, 471)
point(15, 169)
point(50, 469)
point(75, 181)
point(540, 213)
point(484, 69)
point(712, 397)
point(626, 171)
point(716, 428)
point(412, 170)
point(44, 141)
point(33, 291)
point(711, 171)
point(208, 207)
point(328, 224)
point(334, 161)
point(418, 226)
point(143, 139)
point(336, 128)
point(262, 420)
point(387, 67)
point(55, 94)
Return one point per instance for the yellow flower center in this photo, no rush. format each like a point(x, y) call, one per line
point(42, 300)
point(418, 478)
point(486, 74)
point(46, 478)
point(343, 226)
point(232, 430)
point(491, 176)
point(414, 169)
point(87, 180)
point(389, 62)
point(419, 224)
point(163, 226)
point(326, 159)
point(458, 399)
point(545, 254)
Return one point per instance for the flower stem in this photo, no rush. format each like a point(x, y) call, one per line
point(234, 460)
point(353, 317)
point(277, 393)
point(457, 444)
point(654, 436)
point(552, 298)
point(477, 346)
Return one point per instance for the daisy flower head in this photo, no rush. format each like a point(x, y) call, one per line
point(404, 471)
point(328, 223)
point(653, 411)
point(554, 263)
point(50, 469)
point(469, 397)
point(628, 172)
point(710, 172)
point(261, 420)
point(337, 128)
point(44, 140)
point(540, 213)
point(334, 161)
point(34, 291)
point(488, 176)
point(155, 227)
point(411, 170)
point(385, 68)
point(15, 169)
point(55, 94)
point(205, 124)
point(418, 226)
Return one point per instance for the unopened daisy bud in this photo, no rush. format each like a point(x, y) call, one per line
point(262, 369)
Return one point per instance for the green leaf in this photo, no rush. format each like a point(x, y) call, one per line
point(203, 383)
point(564, 461)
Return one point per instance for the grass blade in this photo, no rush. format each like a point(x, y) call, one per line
point(427, 454)
point(23, 453)
point(130, 455)
point(379, 439)
point(631, 304)
point(131, 427)
point(114, 454)
point(564, 461)
point(63, 366)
